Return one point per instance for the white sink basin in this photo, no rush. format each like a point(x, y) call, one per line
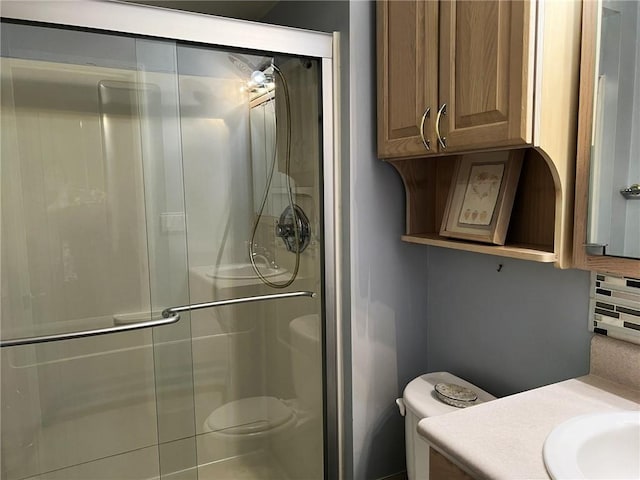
point(243, 271)
point(595, 446)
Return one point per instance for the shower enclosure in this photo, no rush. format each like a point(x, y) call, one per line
point(168, 246)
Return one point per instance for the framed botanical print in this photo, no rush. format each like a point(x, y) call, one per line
point(481, 196)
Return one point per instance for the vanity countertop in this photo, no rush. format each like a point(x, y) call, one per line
point(503, 439)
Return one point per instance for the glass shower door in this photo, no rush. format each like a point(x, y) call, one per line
point(92, 238)
point(251, 147)
point(113, 148)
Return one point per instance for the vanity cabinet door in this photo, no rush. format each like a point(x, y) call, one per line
point(407, 77)
point(486, 74)
point(440, 468)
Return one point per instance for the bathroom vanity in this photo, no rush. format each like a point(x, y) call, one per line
point(504, 439)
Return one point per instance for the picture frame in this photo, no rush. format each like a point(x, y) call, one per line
point(481, 196)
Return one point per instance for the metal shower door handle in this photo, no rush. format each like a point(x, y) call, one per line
point(169, 316)
point(235, 301)
point(172, 318)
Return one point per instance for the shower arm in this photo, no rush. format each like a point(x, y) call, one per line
point(169, 316)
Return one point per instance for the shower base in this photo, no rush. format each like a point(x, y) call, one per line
point(254, 466)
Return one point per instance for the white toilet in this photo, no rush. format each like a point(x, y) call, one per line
point(245, 424)
point(419, 401)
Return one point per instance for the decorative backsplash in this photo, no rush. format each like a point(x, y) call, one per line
point(615, 306)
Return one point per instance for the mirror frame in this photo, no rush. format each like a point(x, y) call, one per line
point(607, 264)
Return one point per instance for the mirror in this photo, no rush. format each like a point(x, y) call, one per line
point(613, 221)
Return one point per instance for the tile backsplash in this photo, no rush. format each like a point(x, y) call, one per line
point(615, 306)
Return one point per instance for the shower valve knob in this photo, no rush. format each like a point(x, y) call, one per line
point(285, 230)
point(287, 225)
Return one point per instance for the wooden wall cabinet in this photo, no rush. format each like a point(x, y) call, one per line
point(506, 74)
point(455, 76)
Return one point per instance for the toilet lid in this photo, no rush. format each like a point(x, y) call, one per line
point(249, 415)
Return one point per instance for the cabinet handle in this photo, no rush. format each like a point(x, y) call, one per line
point(425, 142)
point(441, 140)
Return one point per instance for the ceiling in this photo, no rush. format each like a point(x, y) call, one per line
point(247, 10)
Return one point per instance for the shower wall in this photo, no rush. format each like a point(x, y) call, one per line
point(215, 130)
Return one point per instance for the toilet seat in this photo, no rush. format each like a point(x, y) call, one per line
point(249, 415)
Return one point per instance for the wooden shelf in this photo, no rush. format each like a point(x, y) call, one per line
point(530, 235)
point(522, 252)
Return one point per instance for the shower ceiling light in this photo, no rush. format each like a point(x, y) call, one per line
point(261, 80)
point(258, 78)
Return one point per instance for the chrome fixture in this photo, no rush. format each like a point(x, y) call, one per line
point(632, 192)
point(290, 221)
point(169, 316)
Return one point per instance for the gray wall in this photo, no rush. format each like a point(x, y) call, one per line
point(506, 331)
point(388, 328)
point(321, 15)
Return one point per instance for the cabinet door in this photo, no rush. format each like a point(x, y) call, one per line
point(441, 468)
point(407, 76)
point(486, 73)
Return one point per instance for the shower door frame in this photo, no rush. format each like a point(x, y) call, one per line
point(156, 22)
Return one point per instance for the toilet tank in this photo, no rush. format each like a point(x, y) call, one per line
point(419, 401)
